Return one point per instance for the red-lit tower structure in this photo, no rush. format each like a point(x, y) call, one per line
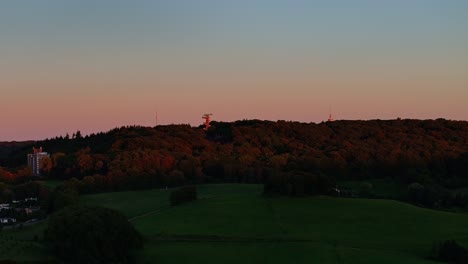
point(207, 118)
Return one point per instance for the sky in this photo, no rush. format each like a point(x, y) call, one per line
point(92, 65)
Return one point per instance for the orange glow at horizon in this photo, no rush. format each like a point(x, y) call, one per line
point(96, 65)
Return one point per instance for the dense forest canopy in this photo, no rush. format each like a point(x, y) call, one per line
point(253, 150)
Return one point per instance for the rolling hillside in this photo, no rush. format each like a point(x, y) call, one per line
point(234, 223)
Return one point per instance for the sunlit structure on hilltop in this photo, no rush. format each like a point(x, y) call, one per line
point(207, 118)
point(330, 117)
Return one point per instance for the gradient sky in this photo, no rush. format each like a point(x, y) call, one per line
point(93, 65)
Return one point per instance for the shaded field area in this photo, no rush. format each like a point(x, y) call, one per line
point(23, 244)
point(233, 223)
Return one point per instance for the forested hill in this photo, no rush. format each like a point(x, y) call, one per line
point(247, 151)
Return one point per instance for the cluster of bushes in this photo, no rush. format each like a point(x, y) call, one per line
point(450, 252)
point(435, 196)
point(298, 184)
point(429, 194)
point(61, 197)
point(183, 195)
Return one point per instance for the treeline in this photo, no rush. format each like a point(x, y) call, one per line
point(432, 195)
point(34, 189)
point(183, 195)
point(49, 199)
point(298, 184)
point(253, 151)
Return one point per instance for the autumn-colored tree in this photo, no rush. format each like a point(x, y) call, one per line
point(85, 163)
point(46, 165)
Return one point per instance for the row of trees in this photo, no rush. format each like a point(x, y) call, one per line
point(17, 198)
point(183, 195)
point(35, 189)
point(48, 200)
point(435, 196)
point(298, 184)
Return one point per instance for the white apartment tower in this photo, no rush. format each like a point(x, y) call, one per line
point(34, 160)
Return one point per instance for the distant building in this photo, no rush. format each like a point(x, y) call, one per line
point(7, 220)
point(34, 160)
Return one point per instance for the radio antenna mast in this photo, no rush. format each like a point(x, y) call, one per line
point(330, 117)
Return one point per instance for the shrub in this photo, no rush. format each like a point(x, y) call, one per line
point(183, 195)
point(366, 189)
point(450, 251)
point(81, 234)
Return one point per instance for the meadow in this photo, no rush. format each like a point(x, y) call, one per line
point(232, 223)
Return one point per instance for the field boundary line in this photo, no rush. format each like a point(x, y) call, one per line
point(147, 214)
point(215, 238)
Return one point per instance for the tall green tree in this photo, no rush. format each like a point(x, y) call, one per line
point(93, 235)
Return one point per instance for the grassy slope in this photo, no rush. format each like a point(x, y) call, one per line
point(336, 230)
point(131, 203)
point(19, 244)
point(333, 230)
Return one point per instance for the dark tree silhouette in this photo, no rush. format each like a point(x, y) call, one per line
point(91, 235)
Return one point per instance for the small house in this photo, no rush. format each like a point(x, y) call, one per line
point(7, 220)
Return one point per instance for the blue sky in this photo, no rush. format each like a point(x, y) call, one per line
point(94, 65)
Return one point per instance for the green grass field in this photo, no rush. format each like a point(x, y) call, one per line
point(233, 223)
point(20, 244)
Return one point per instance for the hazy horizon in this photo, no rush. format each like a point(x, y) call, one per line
point(96, 65)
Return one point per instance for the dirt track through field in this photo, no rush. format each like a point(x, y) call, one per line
point(147, 214)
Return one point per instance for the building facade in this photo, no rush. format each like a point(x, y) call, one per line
point(34, 160)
